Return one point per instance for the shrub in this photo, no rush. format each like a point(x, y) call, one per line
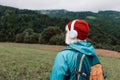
point(28, 36)
point(48, 33)
point(58, 39)
point(34, 38)
point(19, 38)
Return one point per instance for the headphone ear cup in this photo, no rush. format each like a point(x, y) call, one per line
point(73, 34)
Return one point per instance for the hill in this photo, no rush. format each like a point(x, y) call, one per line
point(81, 14)
point(101, 19)
point(106, 24)
point(28, 26)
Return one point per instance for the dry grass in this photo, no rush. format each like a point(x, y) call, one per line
point(108, 53)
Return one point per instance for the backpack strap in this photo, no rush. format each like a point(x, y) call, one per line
point(80, 66)
point(79, 72)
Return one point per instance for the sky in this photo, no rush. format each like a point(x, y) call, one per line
point(71, 5)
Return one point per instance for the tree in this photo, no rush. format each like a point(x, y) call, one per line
point(28, 36)
point(58, 39)
point(34, 38)
point(19, 38)
point(48, 33)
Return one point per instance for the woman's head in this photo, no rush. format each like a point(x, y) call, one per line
point(76, 30)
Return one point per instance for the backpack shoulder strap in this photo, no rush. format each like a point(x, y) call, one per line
point(80, 66)
point(79, 72)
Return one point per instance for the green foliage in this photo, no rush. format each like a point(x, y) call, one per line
point(48, 33)
point(19, 38)
point(58, 39)
point(107, 21)
point(34, 38)
point(104, 26)
point(28, 36)
point(14, 21)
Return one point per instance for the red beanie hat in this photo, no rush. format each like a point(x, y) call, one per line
point(81, 27)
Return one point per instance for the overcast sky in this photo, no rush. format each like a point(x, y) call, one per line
point(71, 5)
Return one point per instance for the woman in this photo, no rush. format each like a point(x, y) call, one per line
point(78, 61)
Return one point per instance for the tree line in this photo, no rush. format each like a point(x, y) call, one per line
point(50, 35)
point(26, 26)
point(14, 21)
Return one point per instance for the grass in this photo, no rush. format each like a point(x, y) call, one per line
point(25, 63)
point(111, 66)
point(34, 62)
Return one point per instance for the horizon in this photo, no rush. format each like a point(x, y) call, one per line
point(70, 5)
point(57, 9)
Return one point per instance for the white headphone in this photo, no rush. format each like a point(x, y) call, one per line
point(73, 33)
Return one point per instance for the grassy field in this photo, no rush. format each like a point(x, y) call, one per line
point(34, 62)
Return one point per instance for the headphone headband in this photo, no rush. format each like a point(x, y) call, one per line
point(72, 25)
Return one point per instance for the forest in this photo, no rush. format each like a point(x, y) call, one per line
point(48, 26)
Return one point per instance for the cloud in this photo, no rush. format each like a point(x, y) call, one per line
point(92, 5)
point(73, 5)
point(36, 4)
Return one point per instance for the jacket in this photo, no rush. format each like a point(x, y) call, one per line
point(65, 62)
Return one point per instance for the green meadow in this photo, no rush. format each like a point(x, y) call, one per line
point(34, 62)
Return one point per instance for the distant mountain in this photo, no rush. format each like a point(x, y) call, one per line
point(82, 15)
point(66, 14)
